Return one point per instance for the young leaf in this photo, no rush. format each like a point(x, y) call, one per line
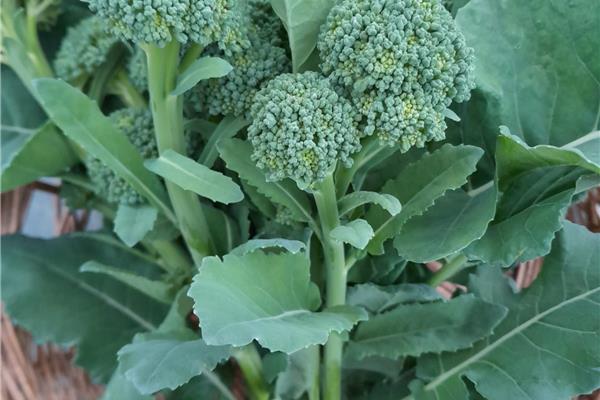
point(451, 224)
point(378, 299)
point(418, 185)
point(356, 199)
point(227, 128)
point(449, 326)
point(195, 177)
point(538, 184)
point(268, 298)
point(132, 223)
point(302, 20)
point(548, 330)
point(157, 361)
point(81, 120)
point(202, 69)
point(101, 314)
point(357, 233)
point(159, 291)
point(237, 155)
point(292, 246)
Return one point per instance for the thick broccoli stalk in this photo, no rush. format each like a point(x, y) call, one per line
point(301, 129)
point(162, 21)
point(402, 62)
point(83, 50)
point(137, 125)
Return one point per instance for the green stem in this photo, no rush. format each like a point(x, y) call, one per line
point(218, 383)
point(343, 177)
point(326, 201)
point(34, 49)
point(167, 112)
point(122, 87)
point(191, 55)
point(451, 268)
point(314, 392)
point(251, 365)
point(103, 75)
point(172, 257)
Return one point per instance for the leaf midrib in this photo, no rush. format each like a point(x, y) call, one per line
point(95, 292)
point(488, 349)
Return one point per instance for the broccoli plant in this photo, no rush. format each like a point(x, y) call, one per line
point(310, 199)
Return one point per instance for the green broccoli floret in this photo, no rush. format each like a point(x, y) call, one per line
point(402, 62)
point(234, 93)
point(252, 66)
point(137, 69)
point(162, 21)
point(137, 125)
point(301, 128)
point(84, 48)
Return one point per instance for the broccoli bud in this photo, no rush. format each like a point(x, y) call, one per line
point(137, 69)
point(162, 21)
point(402, 62)
point(84, 48)
point(301, 128)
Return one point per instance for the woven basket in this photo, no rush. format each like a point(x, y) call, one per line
point(46, 372)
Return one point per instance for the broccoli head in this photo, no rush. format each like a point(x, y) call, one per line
point(137, 125)
point(402, 62)
point(252, 66)
point(84, 48)
point(301, 128)
point(162, 21)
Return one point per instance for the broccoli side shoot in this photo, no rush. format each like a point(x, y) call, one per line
point(162, 21)
point(137, 69)
point(402, 62)
point(252, 66)
point(301, 128)
point(84, 48)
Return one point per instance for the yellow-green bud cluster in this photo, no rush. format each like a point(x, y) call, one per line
point(84, 48)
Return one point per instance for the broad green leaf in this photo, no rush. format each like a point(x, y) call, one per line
point(356, 199)
point(227, 128)
point(538, 60)
point(168, 360)
point(383, 270)
point(547, 346)
point(357, 233)
point(203, 387)
point(133, 223)
point(42, 287)
point(189, 175)
point(377, 299)
point(404, 331)
point(202, 69)
point(81, 120)
point(237, 155)
point(158, 290)
point(301, 375)
point(29, 149)
point(225, 231)
point(119, 388)
point(537, 185)
point(455, 220)
point(292, 246)
point(380, 365)
point(265, 297)
point(302, 20)
point(29, 155)
point(418, 185)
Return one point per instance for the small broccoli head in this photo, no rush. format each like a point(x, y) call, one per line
point(402, 62)
point(84, 48)
point(301, 128)
point(162, 21)
point(265, 23)
point(137, 126)
point(234, 93)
